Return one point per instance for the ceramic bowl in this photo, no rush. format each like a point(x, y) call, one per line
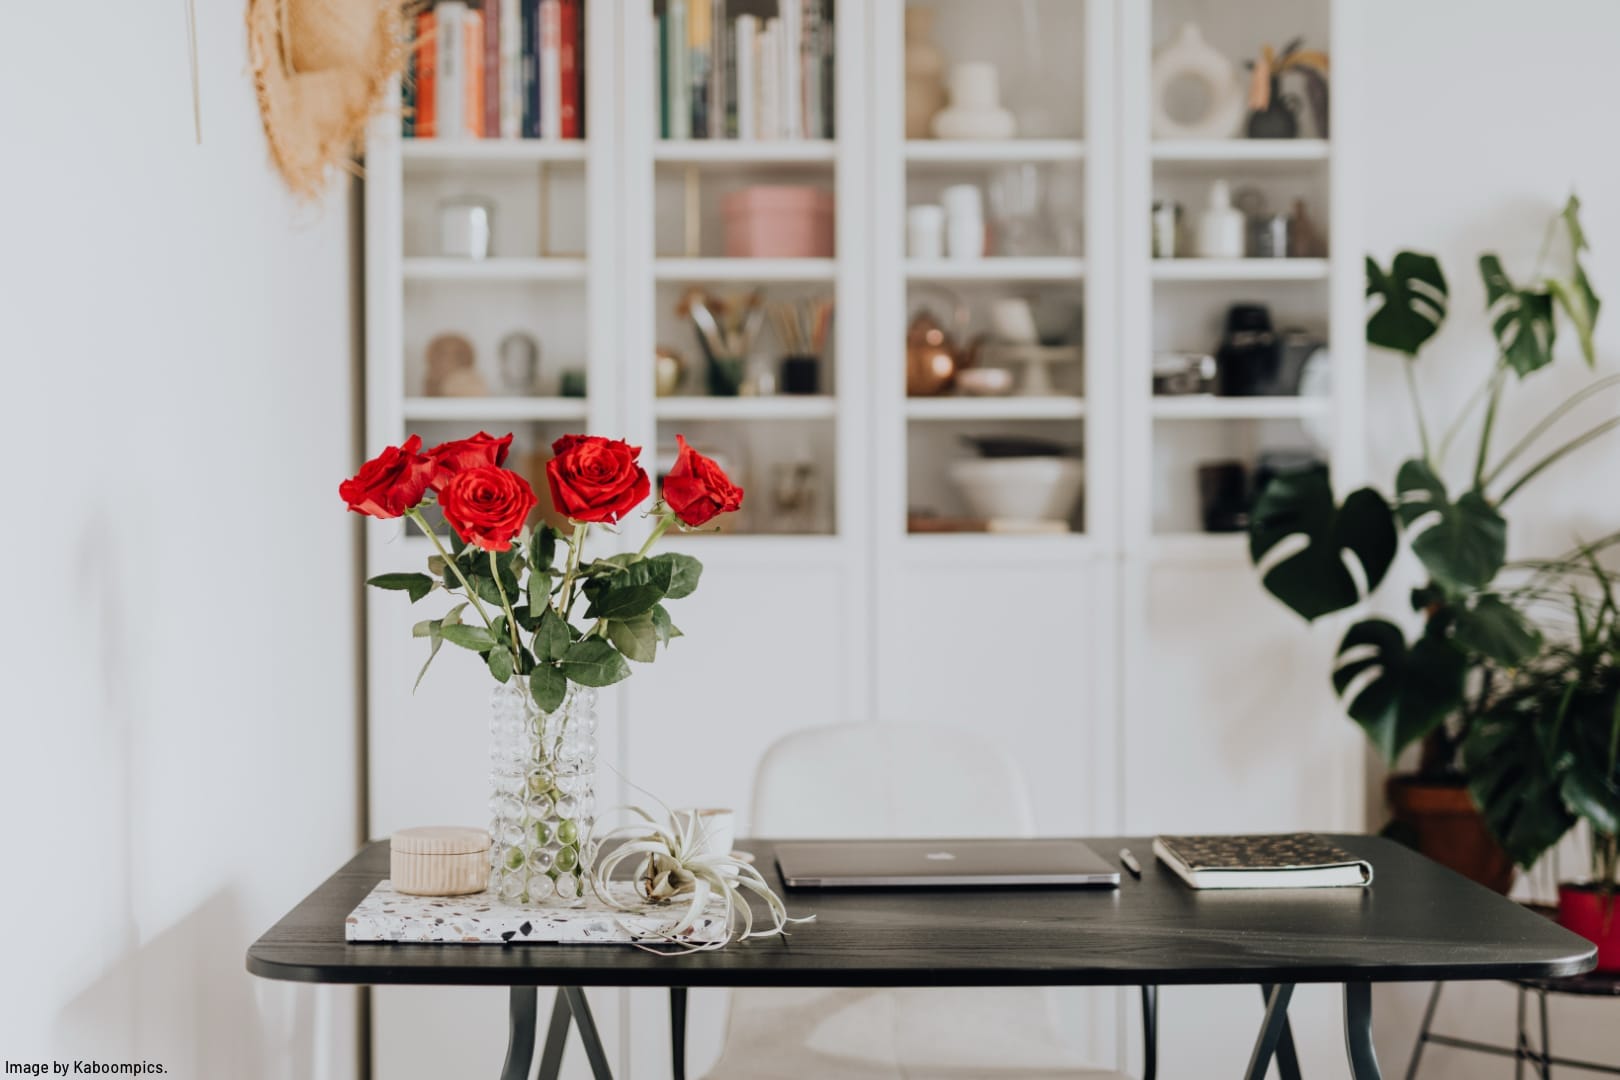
point(1020, 488)
point(985, 382)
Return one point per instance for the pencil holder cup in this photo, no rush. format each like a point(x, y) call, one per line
point(725, 375)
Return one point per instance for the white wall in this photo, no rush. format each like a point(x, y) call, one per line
point(1481, 117)
point(179, 763)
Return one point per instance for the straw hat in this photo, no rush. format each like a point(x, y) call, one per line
point(322, 68)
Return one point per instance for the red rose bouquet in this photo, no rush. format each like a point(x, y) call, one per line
point(526, 599)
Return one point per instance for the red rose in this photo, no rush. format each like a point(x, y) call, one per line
point(595, 479)
point(390, 483)
point(697, 489)
point(450, 458)
point(487, 505)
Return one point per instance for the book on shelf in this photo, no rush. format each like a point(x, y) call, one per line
point(496, 69)
point(1267, 861)
point(744, 69)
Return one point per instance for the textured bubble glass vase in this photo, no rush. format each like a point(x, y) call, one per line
point(543, 793)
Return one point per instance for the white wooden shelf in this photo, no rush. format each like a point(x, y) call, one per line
point(777, 407)
point(1201, 407)
point(745, 153)
point(947, 153)
point(996, 268)
point(492, 150)
point(1055, 407)
point(719, 269)
point(494, 408)
point(423, 268)
point(1240, 151)
point(998, 548)
point(1240, 269)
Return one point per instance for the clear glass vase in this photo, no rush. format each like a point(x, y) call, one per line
point(542, 793)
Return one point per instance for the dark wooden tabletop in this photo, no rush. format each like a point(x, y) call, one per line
point(1417, 921)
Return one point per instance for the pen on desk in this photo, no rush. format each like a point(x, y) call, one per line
point(1130, 862)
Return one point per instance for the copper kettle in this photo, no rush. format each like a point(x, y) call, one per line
point(933, 355)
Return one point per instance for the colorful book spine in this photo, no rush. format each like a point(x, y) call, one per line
point(579, 74)
point(680, 83)
point(719, 53)
point(829, 47)
point(450, 71)
point(791, 102)
point(810, 67)
point(550, 69)
point(492, 70)
point(569, 69)
point(531, 68)
point(697, 42)
point(427, 78)
point(473, 36)
point(661, 29)
point(511, 69)
point(407, 88)
point(770, 79)
point(747, 30)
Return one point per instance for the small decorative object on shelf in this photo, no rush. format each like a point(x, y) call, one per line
point(1221, 227)
point(520, 362)
point(439, 860)
point(1250, 357)
point(523, 603)
point(727, 329)
point(802, 327)
point(465, 227)
point(778, 221)
point(925, 73)
point(1223, 496)
point(1189, 56)
point(975, 110)
point(964, 221)
point(1167, 230)
point(1183, 374)
point(452, 370)
point(1275, 115)
point(668, 369)
point(571, 383)
point(925, 231)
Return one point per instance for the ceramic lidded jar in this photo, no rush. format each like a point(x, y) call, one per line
point(439, 860)
point(975, 110)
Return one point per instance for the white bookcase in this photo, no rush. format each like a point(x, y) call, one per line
point(1085, 651)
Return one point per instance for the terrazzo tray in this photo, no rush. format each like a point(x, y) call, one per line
point(483, 919)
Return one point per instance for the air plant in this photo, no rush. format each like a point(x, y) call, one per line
point(675, 864)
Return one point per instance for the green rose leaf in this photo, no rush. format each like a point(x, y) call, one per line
point(542, 549)
point(1410, 692)
point(1314, 580)
point(549, 686)
point(438, 565)
point(684, 572)
point(1462, 544)
point(636, 638)
point(426, 628)
point(666, 630)
point(631, 593)
point(1412, 303)
point(593, 662)
point(500, 664)
point(475, 638)
point(551, 639)
point(1522, 319)
point(1494, 628)
point(456, 542)
point(417, 585)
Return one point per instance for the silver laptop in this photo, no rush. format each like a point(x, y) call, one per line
point(831, 864)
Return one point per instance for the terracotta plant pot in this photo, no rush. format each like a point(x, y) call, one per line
point(1449, 829)
point(1585, 910)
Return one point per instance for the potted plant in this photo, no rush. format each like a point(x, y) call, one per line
point(1545, 754)
point(1431, 687)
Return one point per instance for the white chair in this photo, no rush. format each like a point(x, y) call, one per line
point(895, 780)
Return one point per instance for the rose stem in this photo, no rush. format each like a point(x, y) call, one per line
point(664, 523)
point(416, 516)
point(576, 541)
point(511, 619)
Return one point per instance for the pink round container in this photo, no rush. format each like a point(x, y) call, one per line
point(778, 222)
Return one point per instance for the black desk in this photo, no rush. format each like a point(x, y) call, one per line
point(1418, 921)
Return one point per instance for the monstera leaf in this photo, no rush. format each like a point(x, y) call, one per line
point(1463, 543)
point(1574, 294)
point(1494, 628)
point(1413, 302)
point(1515, 781)
point(1397, 695)
point(1314, 580)
point(1522, 319)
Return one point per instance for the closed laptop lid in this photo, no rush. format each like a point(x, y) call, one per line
point(902, 863)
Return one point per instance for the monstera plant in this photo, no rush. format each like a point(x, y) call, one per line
point(1319, 554)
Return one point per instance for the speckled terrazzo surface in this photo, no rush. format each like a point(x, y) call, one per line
point(483, 919)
